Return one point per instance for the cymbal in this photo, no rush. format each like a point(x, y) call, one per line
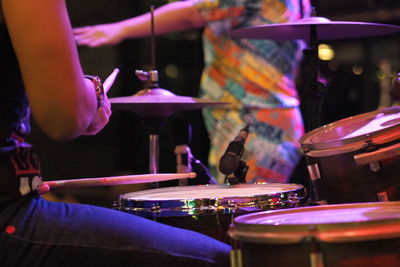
point(325, 30)
point(160, 102)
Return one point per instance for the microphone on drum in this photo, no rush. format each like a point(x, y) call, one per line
point(230, 162)
point(395, 90)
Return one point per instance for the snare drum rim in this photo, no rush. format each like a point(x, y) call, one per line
point(324, 232)
point(214, 205)
point(340, 146)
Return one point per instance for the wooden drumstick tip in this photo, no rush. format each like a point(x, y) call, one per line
point(192, 175)
point(110, 80)
point(43, 188)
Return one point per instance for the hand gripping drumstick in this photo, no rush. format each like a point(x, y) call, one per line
point(110, 80)
point(114, 180)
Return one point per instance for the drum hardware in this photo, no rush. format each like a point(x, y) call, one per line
point(383, 196)
point(316, 256)
point(209, 209)
point(356, 159)
point(318, 196)
point(374, 155)
point(343, 235)
point(325, 30)
point(155, 104)
point(395, 89)
point(314, 171)
point(236, 257)
point(378, 155)
point(183, 161)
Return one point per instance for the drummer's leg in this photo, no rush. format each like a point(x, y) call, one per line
point(42, 233)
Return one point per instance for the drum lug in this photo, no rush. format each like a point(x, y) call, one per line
point(155, 209)
point(375, 155)
point(231, 205)
point(315, 176)
point(374, 166)
point(383, 196)
point(117, 204)
point(314, 172)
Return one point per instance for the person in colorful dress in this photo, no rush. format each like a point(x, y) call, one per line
point(255, 76)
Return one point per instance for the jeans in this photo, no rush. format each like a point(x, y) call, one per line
point(37, 232)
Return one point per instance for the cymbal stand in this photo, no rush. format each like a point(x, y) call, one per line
point(312, 92)
point(153, 123)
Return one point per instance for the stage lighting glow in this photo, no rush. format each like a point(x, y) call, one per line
point(172, 71)
point(357, 69)
point(325, 52)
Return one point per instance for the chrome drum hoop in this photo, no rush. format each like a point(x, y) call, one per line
point(276, 196)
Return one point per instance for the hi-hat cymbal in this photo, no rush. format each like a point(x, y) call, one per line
point(325, 30)
point(159, 102)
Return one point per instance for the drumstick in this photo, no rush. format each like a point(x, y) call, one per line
point(110, 80)
point(113, 180)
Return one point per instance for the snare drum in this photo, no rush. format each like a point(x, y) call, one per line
point(356, 159)
point(341, 235)
point(209, 209)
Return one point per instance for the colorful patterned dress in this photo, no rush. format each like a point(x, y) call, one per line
point(257, 78)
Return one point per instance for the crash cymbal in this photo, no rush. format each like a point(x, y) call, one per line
point(160, 103)
point(325, 30)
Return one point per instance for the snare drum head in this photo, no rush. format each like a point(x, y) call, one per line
point(328, 223)
point(379, 126)
point(206, 199)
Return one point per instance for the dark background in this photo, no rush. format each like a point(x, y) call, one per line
point(122, 147)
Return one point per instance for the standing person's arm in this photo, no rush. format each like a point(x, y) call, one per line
point(173, 17)
point(62, 101)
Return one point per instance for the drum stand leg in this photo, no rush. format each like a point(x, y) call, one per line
point(154, 153)
point(316, 258)
point(236, 257)
point(311, 91)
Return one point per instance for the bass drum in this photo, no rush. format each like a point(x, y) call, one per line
point(341, 235)
point(210, 209)
point(355, 159)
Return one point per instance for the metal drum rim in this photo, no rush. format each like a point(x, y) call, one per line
point(348, 144)
point(214, 205)
point(194, 187)
point(323, 232)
